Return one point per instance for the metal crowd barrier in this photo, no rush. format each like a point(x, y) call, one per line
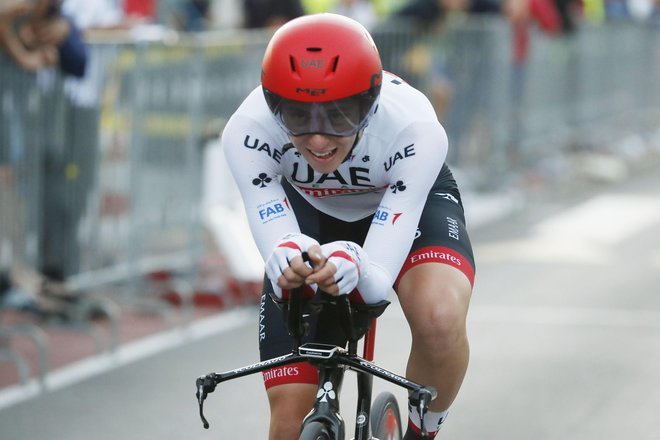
point(103, 180)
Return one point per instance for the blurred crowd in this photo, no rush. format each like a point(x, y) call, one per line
point(32, 30)
point(43, 33)
point(38, 35)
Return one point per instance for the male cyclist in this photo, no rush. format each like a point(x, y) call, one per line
point(339, 159)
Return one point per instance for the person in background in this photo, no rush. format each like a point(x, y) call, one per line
point(362, 11)
point(270, 13)
point(38, 35)
point(10, 43)
point(194, 15)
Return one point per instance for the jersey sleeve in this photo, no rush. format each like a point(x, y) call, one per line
point(412, 168)
point(255, 164)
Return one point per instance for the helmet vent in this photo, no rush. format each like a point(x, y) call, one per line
point(335, 61)
point(314, 49)
point(292, 61)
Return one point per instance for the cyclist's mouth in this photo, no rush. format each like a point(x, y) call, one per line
point(323, 155)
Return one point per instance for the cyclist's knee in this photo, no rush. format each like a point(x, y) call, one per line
point(435, 303)
point(289, 404)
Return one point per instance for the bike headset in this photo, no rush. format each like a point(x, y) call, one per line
point(322, 74)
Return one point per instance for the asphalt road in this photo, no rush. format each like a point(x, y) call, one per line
point(564, 329)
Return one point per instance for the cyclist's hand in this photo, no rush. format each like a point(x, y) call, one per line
point(285, 266)
point(339, 274)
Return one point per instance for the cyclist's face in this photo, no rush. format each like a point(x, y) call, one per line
point(324, 153)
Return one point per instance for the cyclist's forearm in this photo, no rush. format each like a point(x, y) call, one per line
point(375, 284)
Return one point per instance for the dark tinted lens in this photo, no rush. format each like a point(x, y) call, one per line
point(295, 116)
point(345, 115)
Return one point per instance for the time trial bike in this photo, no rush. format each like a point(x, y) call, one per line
point(378, 421)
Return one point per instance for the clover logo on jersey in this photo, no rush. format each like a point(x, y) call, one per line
point(398, 186)
point(262, 180)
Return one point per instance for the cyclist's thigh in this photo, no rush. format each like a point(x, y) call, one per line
point(442, 236)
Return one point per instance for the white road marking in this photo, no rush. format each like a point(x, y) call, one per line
point(542, 249)
point(127, 354)
point(605, 219)
point(587, 233)
point(655, 258)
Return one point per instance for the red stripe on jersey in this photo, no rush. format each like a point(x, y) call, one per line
point(289, 244)
point(437, 254)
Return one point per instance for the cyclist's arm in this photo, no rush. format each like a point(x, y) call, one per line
point(256, 172)
point(394, 226)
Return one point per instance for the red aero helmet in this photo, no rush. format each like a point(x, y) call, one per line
point(322, 73)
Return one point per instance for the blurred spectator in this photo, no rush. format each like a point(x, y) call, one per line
point(10, 13)
point(97, 16)
point(362, 11)
point(385, 8)
point(141, 10)
point(270, 13)
point(642, 10)
point(318, 6)
point(67, 164)
point(69, 167)
point(38, 35)
point(97, 19)
point(194, 15)
point(522, 14)
point(226, 14)
point(48, 27)
point(424, 63)
point(567, 10)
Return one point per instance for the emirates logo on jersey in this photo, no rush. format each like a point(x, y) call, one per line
point(327, 192)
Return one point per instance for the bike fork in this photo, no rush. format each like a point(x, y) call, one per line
point(364, 384)
point(326, 407)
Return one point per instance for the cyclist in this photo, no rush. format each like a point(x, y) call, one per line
point(339, 159)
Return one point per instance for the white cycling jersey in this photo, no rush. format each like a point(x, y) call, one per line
point(388, 173)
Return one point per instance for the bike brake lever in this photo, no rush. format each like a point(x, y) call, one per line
point(205, 386)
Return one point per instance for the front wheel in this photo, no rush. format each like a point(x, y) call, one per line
point(314, 431)
point(385, 417)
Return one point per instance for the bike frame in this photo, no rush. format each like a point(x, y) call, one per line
point(332, 362)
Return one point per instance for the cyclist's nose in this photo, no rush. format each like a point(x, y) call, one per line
point(318, 140)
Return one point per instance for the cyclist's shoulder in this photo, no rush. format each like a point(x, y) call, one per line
point(396, 93)
point(254, 109)
point(253, 132)
point(401, 107)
